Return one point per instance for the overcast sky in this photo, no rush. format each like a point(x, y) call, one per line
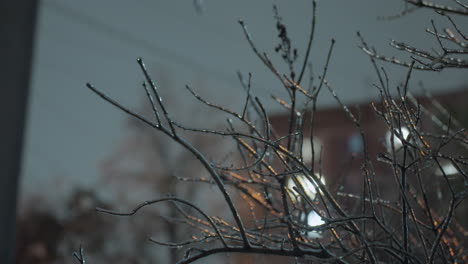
point(70, 130)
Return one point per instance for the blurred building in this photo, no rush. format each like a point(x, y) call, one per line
point(339, 146)
point(339, 156)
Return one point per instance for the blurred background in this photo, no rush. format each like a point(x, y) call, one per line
point(66, 151)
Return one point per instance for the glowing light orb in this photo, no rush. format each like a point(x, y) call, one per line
point(314, 219)
point(310, 187)
point(396, 140)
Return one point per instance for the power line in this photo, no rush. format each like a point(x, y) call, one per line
point(141, 43)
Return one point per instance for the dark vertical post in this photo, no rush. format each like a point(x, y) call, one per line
point(17, 25)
